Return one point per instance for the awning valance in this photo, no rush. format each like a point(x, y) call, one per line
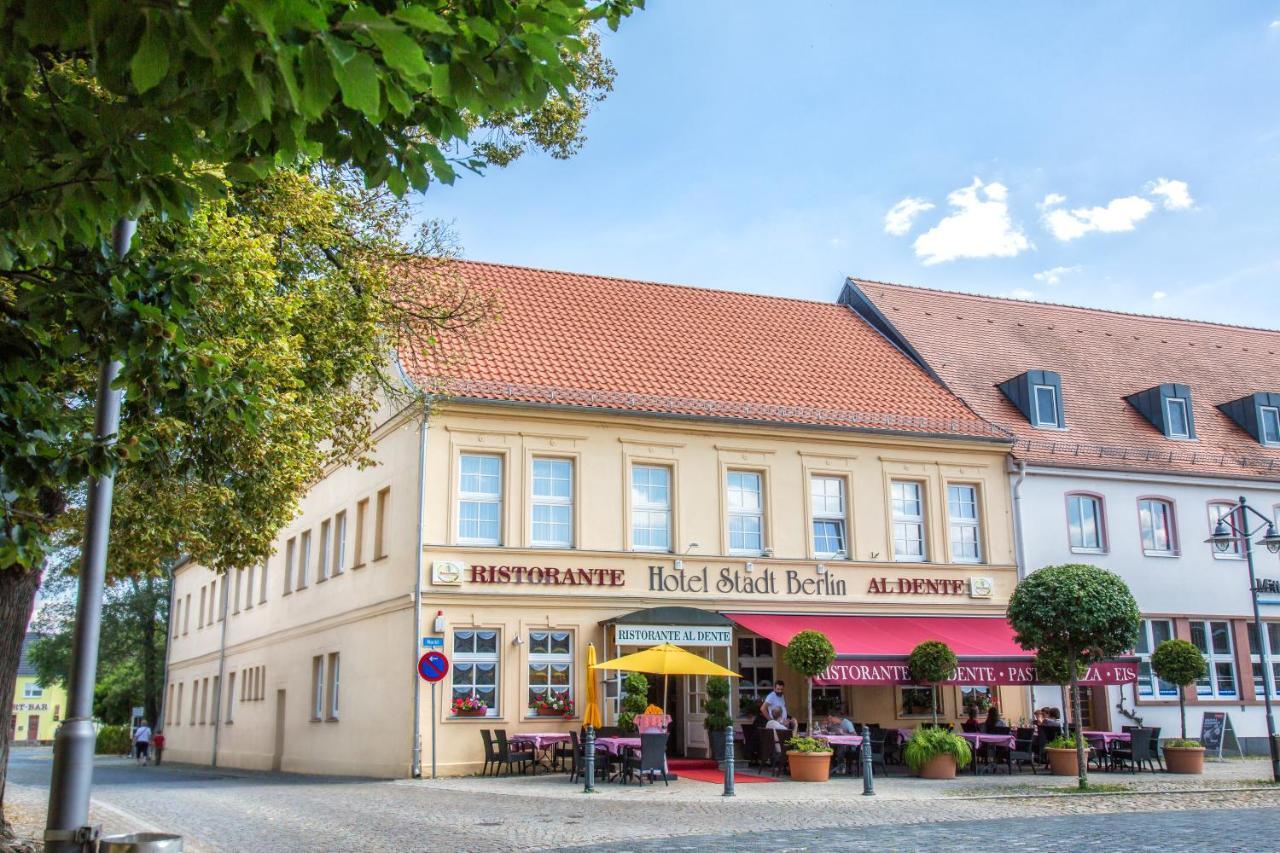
point(874, 649)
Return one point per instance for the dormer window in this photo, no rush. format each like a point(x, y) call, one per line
point(1038, 395)
point(1177, 423)
point(1168, 408)
point(1258, 414)
point(1046, 410)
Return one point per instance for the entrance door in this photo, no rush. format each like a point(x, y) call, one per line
point(695, 732)
point(277, 758)
point(33, 728)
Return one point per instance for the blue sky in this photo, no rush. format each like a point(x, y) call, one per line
point(1119, 155)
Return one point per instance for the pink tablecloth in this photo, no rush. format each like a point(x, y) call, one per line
point(540, 740)
point(1104, 739)
point(980, 738)
point(616, 745)
point(841, 740)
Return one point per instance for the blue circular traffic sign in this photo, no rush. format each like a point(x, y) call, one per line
point(433, 666)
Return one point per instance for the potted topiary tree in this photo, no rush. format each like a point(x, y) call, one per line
point(635, 698)
point(1180, 663)
point(1075, 613)
point(809, 653)
point(931, 663)
point(1061, 751)
point(935, 753)
point(716, 706)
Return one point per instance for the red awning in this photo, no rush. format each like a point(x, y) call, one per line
point(874, 649)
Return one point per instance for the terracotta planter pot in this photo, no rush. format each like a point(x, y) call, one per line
point(1063, 762)
point(809, 766)
point(548, 712)
point(938, 767)
point(1184, 759)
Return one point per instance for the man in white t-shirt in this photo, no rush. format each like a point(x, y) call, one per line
point(776, 700)
point(142, 742)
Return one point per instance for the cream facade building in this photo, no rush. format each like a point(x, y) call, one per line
point(616, 463)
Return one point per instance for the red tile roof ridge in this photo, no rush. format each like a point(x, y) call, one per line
point(623, 279)
point(1082, 308)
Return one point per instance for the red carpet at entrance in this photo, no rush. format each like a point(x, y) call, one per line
point(706, 770)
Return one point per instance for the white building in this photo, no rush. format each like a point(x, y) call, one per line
point(1134, 434)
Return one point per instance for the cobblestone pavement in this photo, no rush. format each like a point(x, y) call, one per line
point(220, 810)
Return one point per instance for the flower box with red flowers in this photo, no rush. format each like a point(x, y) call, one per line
point(469, 706)
point(555, 706)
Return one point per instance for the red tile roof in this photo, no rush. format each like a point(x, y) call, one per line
point(975, 342)
point(631, 346)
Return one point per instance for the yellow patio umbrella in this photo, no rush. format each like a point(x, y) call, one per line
point(665, 660)
point(591, 714)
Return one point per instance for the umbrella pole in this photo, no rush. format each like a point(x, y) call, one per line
point(664, 694)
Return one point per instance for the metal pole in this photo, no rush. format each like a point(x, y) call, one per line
point(433, 730)
point(589, 759)
point(1267, 674)
point(728, 760)
point(868, 783)
point(73, 745)
point(415, 765)
point(222, 667)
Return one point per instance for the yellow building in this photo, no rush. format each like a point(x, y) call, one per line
point(615, 463)
point(37, 709)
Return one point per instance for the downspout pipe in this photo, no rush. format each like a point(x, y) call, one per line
point(1019, 550)
point(222, 670)
point(416, 769)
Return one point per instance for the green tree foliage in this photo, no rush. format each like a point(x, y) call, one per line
point(809, 653)
point(1074, 614)
point(131, 655)
point(932, 662)
point(716, 706)
point(635, 698)
point(1180, 663)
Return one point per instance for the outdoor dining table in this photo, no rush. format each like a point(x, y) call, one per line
point(840, 740)
point(1105, 739)
point(979, 739)
point(617, 745)
point(542, 742)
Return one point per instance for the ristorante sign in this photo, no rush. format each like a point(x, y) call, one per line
point(879, 671)
point(546, 576)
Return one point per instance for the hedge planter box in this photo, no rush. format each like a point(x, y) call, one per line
point(1184, 759)
point(1063, 762)
point(809, 766)
point(939, 767)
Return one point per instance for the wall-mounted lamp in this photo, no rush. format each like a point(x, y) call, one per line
point(767, 552)
point(822, 569)
point(517, 640)
point(679, 565)
point(688, 548)
point(750, 566)
point(440, 624)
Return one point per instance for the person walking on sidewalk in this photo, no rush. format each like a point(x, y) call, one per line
point(142, 743)
point(157, 746)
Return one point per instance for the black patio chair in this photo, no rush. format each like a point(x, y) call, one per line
point(1023, 751)
point(490, 753)
point(750, 744)
point(512, 757)
point(769, 751)
point(565, 753)
point(1156, 754)
point(651, 759)
point(878, 745)
point(1135, 753)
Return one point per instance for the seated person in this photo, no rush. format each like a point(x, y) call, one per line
point(993, 722)
point(970, 724)
point(838, 723)
point(777, 723)
point(776, 701)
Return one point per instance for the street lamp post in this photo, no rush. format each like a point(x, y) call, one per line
point(1233, 527)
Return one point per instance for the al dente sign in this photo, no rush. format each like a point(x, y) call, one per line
point(680, 635)
point(870, 671)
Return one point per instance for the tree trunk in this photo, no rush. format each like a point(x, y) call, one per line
point(1182, 711)
point(1075, 714)
point(17, 594)
point(809, 688)
point(933, 703)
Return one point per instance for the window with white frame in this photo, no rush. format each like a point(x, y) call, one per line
point(235, 605)
point(480, 499)
point(31, 690)
point(650, 507)
point(550, 667)
point(304, 558)
point(907, 499)
point(317, 688)
point(331, 702)
point(339, 542)
point(290, 557)
point(1155, 517)
point(551, 503)
point(1213, 639)
point(1150, 636)
point(1225, 512)
point(1269, 424)
point(1046, 397)
point(965, 524)
point(231, 698)
point(262, 589)
point(322, 563)
point(248, 586)
point(1177, 421)
point(826, 499)
point(756, 666)
point(745, 499)
point(475, 667)
point(1086, 528)
point(1271, 635)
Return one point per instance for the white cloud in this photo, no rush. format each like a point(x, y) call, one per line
point(1174, 194)
point(1120, 214)
point(900, 217)
point(1053, 277)
point(977, 229)
point(1158, 295)
point(1052, 199)
point(1274, 25)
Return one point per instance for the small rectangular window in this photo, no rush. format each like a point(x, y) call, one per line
point(200, 613)
point(1225, 512)
point(231, 698)
point(551, 501)
point(379, 524)
point(1155, 517)
point(362, 513)
point(745, 499)
point(32, 690)
point(262, 589)
point(907, 502)
point(475, 667)
point(1213, 639)
point(215, 702)
point(339, 542)
point(1176, 419)
point(1085, 524)
point(1269, 424)
point(650, 507)
point(248, 585)
point(322, 561)
point(304, 559)
point(480, 499)
point(966, 526)
point(235, 604)
point(204, 700)
point(186, 618)
point(224, 590)
point(826, 500)
point(317, 688)
point(290, 552)
point(332, 703)
point(177, 707)
point(1046, 397)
